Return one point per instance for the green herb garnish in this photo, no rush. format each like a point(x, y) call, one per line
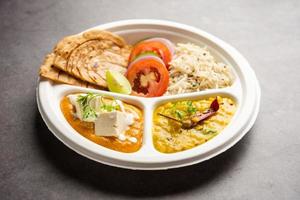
point(89, 112)
point(109, 107)
point(179, 114)
point(191, 109)
point(84, 100)
point(208, 131)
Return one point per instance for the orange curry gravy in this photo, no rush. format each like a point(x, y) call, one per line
point(86, 129)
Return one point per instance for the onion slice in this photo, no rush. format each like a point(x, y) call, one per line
point(166, 42)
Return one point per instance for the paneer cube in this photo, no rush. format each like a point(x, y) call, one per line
point(111, 124)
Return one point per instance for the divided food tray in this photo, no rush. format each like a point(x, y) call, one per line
point(245, 91)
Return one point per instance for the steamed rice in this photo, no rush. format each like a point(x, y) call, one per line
point(194, 69)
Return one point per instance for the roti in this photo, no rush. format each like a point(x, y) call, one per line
point(83, 59)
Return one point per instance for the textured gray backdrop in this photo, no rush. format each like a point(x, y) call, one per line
point(264, 165)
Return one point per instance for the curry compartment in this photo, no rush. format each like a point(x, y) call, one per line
point(130, 141)
point(177, 126)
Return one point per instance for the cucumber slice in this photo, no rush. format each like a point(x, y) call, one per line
point(147, 53)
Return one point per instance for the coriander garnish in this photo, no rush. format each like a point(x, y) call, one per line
point(84, 100)
point(109, 107)
point(191, 109)
point(208, 131)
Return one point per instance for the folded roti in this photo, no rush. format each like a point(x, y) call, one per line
point(47, 70)
point(89, 55)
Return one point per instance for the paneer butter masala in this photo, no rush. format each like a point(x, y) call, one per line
point(105, 121)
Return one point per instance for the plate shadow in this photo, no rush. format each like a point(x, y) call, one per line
point(133, 183)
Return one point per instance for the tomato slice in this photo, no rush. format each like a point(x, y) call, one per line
point(155, 46)
point(148, 77)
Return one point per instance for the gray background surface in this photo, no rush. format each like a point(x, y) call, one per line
point(263, 165)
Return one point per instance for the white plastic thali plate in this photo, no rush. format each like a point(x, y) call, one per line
point(245, 91)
